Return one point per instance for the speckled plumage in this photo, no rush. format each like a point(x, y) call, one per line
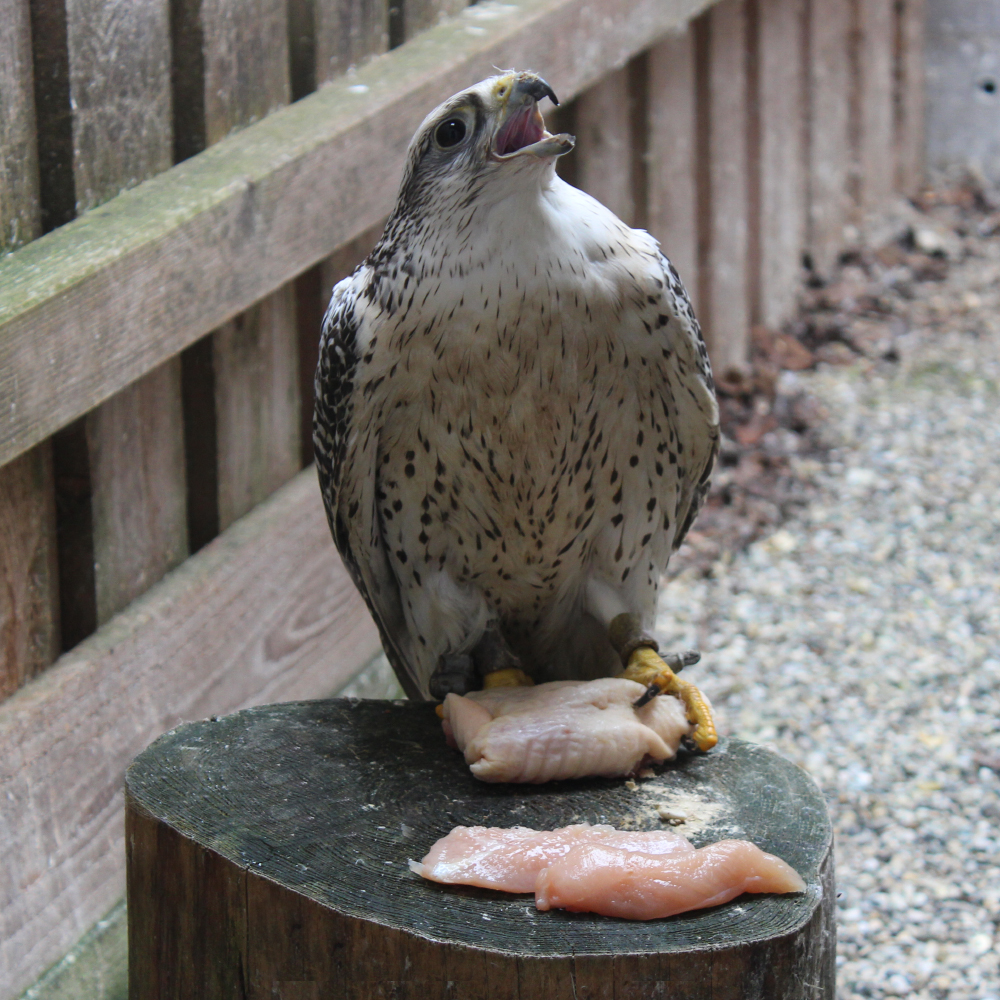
point(515, 419)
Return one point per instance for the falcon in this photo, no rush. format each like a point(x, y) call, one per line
point(515, 417)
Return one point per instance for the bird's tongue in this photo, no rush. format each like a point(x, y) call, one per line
point(523, 128)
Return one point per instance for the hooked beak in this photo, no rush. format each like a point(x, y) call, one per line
point(522, 128)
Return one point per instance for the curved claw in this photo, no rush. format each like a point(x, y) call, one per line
point(647, 667)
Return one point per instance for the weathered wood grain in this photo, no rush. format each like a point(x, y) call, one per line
point(265, 611)
point(780, 110)
point(283, 860)
point(348, 33)
point(135, 443)
point(29, 609)
point(604, 144)
point(829, 79)
point(53, 119)
point(245, 76)
point(724, 294)
point(672, 206)
point(141, 278)
point(875, 39)
point(119, 73)
point(29, 622)
point(909, 95)
point(256, 367)
point(19, 208)
point(245, 52)
point(419, 15)
point(120, 93)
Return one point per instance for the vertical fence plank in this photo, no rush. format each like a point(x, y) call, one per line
point(421, 14)
point(136, 447)
point(347, 33)
point(721, 45)
point(242, 60)
point(257, 404)
point(829, 129)
point(782, 191)
point(909, 95)
point(875, 39)
point(29, 626)
point(672, 209)
point(119, 70)
point(604, 149)
point(19, 210)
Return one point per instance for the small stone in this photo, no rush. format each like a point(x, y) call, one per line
point(673, 818)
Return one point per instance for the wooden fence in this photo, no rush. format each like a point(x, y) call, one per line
point(162, 556)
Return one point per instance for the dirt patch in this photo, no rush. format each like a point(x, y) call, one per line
point(903, 273)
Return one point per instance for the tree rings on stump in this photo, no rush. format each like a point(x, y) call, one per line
point(267, 858)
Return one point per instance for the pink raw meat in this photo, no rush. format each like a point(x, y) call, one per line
point(593, 878)
point(511, 859)
point(563, 729)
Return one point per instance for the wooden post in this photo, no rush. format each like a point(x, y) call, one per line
point(672, 195)
point(29, 623)
point(781, 193)
point(829, 81)
point(267, 857)
point(724, 206)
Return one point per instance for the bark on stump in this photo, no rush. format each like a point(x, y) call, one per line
point(267, 858)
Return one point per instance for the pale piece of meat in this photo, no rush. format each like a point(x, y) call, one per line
point(593, 878)
point(563, 729)
point(495, 858)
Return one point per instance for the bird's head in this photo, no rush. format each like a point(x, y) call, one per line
point(487, 140)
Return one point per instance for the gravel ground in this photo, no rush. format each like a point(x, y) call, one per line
point(861, 638)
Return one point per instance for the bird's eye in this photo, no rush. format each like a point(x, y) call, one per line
point(450, 133)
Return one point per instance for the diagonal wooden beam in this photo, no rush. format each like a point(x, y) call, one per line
point(91, 307)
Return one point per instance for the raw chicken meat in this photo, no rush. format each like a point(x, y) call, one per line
point(593, 878)
point(511, 859)
point(563, 729)
point(598, 869)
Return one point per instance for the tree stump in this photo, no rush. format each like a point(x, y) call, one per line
point(267, 858)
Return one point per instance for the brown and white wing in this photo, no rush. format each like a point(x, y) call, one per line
point(346, 446)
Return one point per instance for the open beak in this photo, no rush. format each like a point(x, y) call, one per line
point(522, 128)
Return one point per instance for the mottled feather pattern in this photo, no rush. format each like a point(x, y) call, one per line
point(513, 399)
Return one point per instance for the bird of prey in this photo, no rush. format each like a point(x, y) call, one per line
point(515, 417)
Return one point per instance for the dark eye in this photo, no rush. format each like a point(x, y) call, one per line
point(450, 133)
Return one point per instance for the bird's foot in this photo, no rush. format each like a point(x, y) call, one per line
point(456, 674)
point(651, 670)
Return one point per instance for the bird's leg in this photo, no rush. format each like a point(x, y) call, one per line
point(639, 654)
point(455, 674)
point(496, 663)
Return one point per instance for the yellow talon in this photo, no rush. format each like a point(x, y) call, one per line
point(510, 678)
point(646, 666)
